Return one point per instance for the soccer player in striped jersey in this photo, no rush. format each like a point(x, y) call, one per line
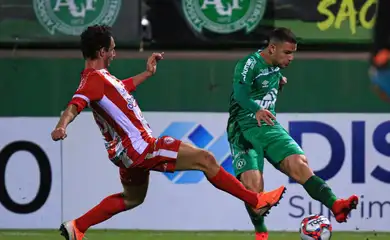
point(129, 141)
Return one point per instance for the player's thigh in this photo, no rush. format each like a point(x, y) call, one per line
point(255, 137)
point(162, 155)
point(245, 158)
point(135, 182)
point(194, 158)
point(285, 154)
point(279, 145)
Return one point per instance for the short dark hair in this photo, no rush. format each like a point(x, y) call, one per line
point(93, 39)
point(282, 35)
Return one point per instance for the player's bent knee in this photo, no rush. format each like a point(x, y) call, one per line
point(132, 202)
point(134, 195)
point(297, 167)
point(205, 161)
point(193, 158)
point(303, 160)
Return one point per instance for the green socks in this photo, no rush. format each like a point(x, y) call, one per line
point(320, 191)
point(258, 221)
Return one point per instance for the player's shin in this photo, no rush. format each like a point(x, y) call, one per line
point(191, 158)
point(228, 183)
point(296, 166)
point(320, 191)
point(107, 208)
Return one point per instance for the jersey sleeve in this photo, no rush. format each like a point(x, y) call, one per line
point(244, 75)
point(91, 89)
point(129, 84)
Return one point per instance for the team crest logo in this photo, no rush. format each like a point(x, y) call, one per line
point(240, 163)
point(71, 17)
point(224, 16)
point(168, 140)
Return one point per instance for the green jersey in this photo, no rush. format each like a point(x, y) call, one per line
point(255, 87)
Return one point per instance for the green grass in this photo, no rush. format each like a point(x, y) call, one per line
point(174, 235)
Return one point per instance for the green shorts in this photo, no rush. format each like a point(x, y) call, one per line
point(250, 147)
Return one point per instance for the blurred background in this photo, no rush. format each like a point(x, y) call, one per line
point(43, 183)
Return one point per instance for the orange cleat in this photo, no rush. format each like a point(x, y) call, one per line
point(261, 236)
point(342, 207)
point(70, 231)
point(267, 200)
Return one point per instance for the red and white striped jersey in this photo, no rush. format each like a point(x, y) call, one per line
point(116, 112)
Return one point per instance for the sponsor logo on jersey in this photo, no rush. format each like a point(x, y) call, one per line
point(250, 63)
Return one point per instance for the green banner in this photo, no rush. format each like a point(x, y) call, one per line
point(43, 87)
point(62, 21)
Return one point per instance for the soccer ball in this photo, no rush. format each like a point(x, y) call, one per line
point(315, 227)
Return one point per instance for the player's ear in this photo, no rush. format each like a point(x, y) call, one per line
point(101, 53)
point(272, 49)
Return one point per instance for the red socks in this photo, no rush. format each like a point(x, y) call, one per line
point(107, 208)
point(115, 204)
point(228, 183)
point(261, 236)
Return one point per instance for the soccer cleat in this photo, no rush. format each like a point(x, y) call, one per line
point(70, 231)
point(342, 207)
point(267, 200)
point(261, 236)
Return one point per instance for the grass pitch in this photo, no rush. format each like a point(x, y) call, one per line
point(176, 235)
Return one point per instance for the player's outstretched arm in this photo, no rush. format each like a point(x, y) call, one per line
point(151, 68)
point(67, 117)
point(140, 78)
point(90, 89)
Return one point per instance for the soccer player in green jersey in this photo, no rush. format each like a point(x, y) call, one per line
point(254, 132)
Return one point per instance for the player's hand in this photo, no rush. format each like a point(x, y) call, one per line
point(58, 134)
point(266, 116)
point(282, 82)
point(151, 65)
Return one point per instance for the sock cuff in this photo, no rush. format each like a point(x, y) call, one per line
point(310, 180)
point(217, 176)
